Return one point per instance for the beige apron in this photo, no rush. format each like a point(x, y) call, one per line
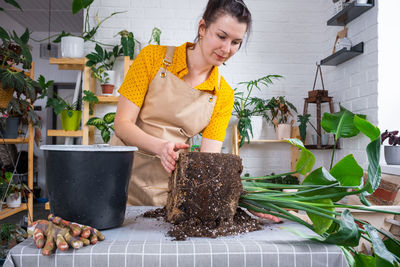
point(173, 111)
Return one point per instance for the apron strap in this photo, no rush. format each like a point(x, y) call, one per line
point(167, 61)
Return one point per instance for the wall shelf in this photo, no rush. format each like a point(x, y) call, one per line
point(343, 55)
point(323, 147)
point(349, 13)
point(18, 140)
point(6, 212)
point(78, 133)
point(68, 63)
point(107, 99)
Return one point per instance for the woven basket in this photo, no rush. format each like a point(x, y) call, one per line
point(5, 96)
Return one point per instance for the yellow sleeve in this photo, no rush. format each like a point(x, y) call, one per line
point(140, 74)
point(221, 115)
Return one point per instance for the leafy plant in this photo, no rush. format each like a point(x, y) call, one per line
point(11, 2)
point(101, 60)
point(105, 125)
point(245, 105)
point(393, 138)
point(128, 43)
point(155, 36)
point(321, 190)
point(304, 119)
point(280, 110)
point(10, 235)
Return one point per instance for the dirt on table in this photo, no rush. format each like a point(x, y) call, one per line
point(204, 192)
point(194, 227)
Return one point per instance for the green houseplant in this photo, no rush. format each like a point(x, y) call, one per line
point(281, 111)
point(392, 151)
point(105, 125)
point(101, 63)
point(245, 105)
point(321, 190)
point(304, 120)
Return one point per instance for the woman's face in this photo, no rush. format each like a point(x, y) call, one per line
point(221, 39)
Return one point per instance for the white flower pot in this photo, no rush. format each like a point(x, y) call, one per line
point(256, 125)
point(72, 46)
point(283, 131)
point(111, 77)
point(362, 1)
point(14, 200)
point(324, 139)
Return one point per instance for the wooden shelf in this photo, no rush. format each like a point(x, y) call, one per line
point(343, 55)
point(18, 140)
point(68, 63)
point(5, 212)
point(107, 99)
point(78, 133)
point(323, 147)
point(267, 141)
point(349, 13)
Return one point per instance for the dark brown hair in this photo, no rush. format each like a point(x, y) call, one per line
point(235, 8)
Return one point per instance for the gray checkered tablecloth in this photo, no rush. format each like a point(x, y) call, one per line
point(143, 242)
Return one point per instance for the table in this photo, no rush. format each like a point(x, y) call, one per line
point(143, 242)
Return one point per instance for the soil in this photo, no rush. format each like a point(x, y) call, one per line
point(194, 227)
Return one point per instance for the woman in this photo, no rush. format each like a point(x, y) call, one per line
point(171, 94)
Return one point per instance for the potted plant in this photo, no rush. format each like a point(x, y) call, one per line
point(105, 125)
point(10, 235)
point(102, 62)
point(392, 152)
point(70, 113)
point(303, 120)
point(245, 106)
point(281, 111)
point(73, 45)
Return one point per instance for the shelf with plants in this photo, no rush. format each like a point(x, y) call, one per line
point(19, 140)
point(343, 55)
point(103, 99)
point(68, 63)
point(350, 12)
point(6, 212)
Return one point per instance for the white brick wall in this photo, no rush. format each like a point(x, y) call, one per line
point(288, 38)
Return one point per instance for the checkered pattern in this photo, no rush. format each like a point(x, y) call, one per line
point(142, 242)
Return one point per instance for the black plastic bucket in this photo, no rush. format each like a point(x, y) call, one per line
point(89, 184)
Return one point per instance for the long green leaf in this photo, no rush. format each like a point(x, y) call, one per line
point(4, 34)
point(347, 171)
point(384, 256)
point(371, 131)
point(322, 224)
point(374, 169)
point(306, 159)
point(348, 233)
point(77, 5)
point(14, 3)
point(362, 260)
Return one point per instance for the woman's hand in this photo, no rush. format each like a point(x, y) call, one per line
point(169, 156)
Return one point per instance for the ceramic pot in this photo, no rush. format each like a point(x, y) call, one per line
point(392, 155)
point(257, 126)
point(11, 130)
point(71, 123)
point(107, 89)
point(283, 131)
point(324, 139)
point(14, 200)
point(72, 46)
point(88, 184)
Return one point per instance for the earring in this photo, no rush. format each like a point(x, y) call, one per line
point(200, 37)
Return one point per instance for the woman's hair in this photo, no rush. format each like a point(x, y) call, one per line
point(235, 8)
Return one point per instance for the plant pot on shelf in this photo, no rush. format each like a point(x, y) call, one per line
point(392, 155)
point(107, 88)
point(70, 119)
point(283, 131)
point(100, 185)
point(72, 46)
point(256, 125)
point(14, 200)
point(324, 139)
point(11, 130)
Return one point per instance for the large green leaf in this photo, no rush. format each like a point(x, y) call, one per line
point(105, 134)
point(321, 176)
point(340, 123)
point(4, 34)
point(109, 117)
point(367, 128)
point(77, 5)
point(306, 159)
point(348, 234)
point(25, 36)
point(374, 169)
point(383, 256)
point(392, 247)
point(347, 171)
point(322, 224)
point(362, 260)
point(99, 50)
point(14, 3)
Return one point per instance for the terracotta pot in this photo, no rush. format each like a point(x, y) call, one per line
point(283, 131)
point(107, 89)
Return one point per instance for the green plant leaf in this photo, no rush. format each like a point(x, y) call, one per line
point(77, 5)
point(14, 3)
point(95, 121)
point(383, 256)
point(322, 224)
point(105, 134)
point(340, 123)
point(109, 117)
point(25, 36)
point(392, 247)
point(348, 233)
point(306, 159)
point(349, 256)
point(371, 131)
point(362, 260)
point(99, 50)
point(61, 35)
point(374, 169)
point(347, 171)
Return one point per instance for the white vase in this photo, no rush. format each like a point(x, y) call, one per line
point(283, 131)
point(256, 125)
point(324, 139)
point(14, 200)
point(72, 46)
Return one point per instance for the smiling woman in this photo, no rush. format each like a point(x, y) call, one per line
point(171, 94)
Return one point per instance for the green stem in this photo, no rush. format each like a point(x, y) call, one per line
point(268, 177)
point(333, 152)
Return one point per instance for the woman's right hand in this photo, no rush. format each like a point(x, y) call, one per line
point(169, 156)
